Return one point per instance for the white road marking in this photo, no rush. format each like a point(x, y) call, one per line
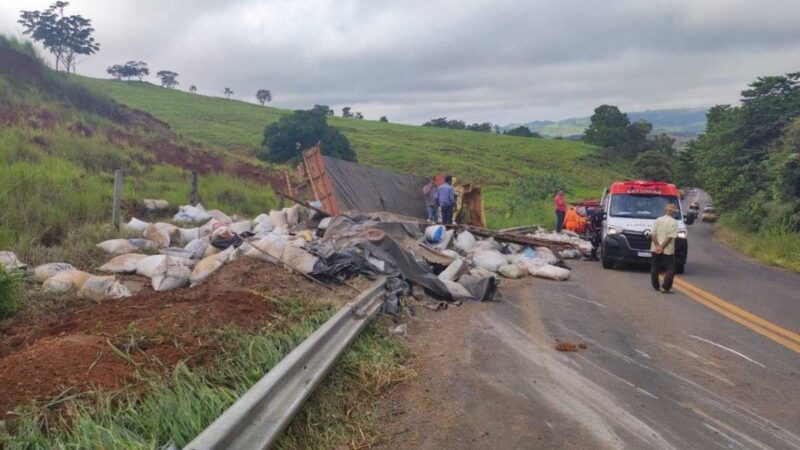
point(644, 355)
point(705, 424)
point(646, 393)
point(549, 425)
point(729, 349)
point(585, 300)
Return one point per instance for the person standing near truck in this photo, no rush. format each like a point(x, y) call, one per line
point(662, 238)
point(429, 190)
point(446, 197)
point(561, 210)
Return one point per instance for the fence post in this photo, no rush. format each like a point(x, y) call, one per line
point(116, 209)
point(193, 193)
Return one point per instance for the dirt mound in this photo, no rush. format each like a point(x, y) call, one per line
point(79, 347)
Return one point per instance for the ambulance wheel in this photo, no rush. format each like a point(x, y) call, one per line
point(606, 263)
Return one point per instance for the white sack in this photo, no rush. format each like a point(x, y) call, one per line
point(323, 224)
point(278, 219)
point(135, 226)
point(204, 269)
point(485, 245)
point(220, 216)
point(154, 204)
point(66, 281)
point(117, 246)
point(170, 274)
point(99, 288)
point(45, 271)
point(292, 215)
point(191, 214)
point(9, 261)
point(147, 266)
point(480, 272)
point(240, 227)
point(546, 254)
point(143, 244)
point(172, 231)
point(187, 235)
point(264, 249)
point(261, 218)
point(435, 233)
point(552, 272)
point(490, 260)
point(262, 227)
point(458, 291)
point(123, 263)
point(299, 259)
point(157, 235)
point(177, 252)
point(210, 250)
point(454, 270)
point(512, 271)
point(465, 241)
point(570, 254)
point(197, 247)
point(448, 236)
point(451, 253)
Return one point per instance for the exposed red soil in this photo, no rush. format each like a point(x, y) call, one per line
point(72, 346)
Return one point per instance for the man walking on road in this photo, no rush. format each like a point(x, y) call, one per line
point(665, 230)
point(429, 190)
point(561, 210)
point(446, 197)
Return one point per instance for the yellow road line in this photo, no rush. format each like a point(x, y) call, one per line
point(763, 327)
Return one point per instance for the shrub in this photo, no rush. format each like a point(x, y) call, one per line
point(286, 139)
point(9, 285)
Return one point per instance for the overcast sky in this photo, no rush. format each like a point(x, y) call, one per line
point(498, 60)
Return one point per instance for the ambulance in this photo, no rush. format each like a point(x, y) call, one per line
point(629, 209)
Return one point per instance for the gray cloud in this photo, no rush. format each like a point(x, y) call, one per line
point(499, 61)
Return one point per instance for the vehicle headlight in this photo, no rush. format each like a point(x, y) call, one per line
point(614, 230)
point(682, 234)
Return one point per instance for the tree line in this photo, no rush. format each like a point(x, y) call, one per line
point(748, 159)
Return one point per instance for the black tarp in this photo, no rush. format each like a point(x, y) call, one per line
point(363, 188)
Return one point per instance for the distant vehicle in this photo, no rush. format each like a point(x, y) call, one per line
point(629, 209)
point(709, 214)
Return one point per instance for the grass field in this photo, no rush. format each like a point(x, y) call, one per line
point(491, 160)
point(780, 249)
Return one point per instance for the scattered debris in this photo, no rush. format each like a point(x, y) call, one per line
point(564, 346)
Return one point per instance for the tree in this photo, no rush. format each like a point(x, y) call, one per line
point(168, 78)
point(263, 96)
point(653, 165)
point(325, 110)
point(346, 112)
point(484, 127)
point(521, 131)
point(383, 119)
point(193, 89)
point(456, 124)
point(286, 139)
point(228, 92)
point(66, 37)
point(129, 70)
point(439, 122)
point(608, 128)
point(663, 143)
point(359, 116)
point(496, 129)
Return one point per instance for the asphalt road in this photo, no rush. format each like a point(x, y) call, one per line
point(659, 371)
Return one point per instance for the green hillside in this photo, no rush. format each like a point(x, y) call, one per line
point(60, 143)
point(492, 160)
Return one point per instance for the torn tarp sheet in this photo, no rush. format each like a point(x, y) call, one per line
point(363, 188)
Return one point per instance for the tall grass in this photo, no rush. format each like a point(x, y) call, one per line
point(780, 248)
point(9, 287)
point(174, 409)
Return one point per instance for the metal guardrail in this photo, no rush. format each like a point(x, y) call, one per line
point(256, 420)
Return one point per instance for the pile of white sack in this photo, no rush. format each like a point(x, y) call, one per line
point(183, 255)
point(482, 257)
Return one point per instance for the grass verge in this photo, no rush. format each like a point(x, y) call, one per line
point(776, 248)
point(159, 410)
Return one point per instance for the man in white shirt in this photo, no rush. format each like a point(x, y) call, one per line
point(662, 245)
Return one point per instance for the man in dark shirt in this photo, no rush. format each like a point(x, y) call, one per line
point(446, 197)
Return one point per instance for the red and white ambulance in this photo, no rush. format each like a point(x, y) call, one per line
point(629, 210)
